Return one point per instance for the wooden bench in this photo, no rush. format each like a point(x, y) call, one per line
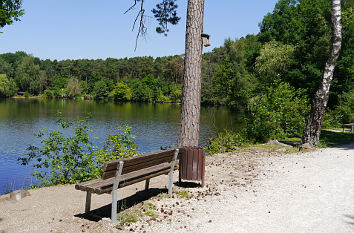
point(124, 172)
point(350, 125)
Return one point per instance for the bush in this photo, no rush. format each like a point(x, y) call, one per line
point(49, 93)
point(27, 94)
point(7, 86)
point(345, 109)
point(342, 114)
point(277, 113)
point(121, 92)
point(61, 160)
point(118, 146)
point(226, 142)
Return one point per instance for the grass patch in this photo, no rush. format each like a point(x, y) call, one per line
point(329, 138)
point(128, 218)
point(277, 148)
point(183, 194)
point(149, 206)
point(124, 218)
point(151, 214)
point(149, 210)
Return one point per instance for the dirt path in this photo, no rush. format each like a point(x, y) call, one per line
point(247, 191)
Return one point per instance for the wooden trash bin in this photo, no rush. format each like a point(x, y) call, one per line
point(192, 164)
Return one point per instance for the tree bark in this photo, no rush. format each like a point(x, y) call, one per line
point(190, 111)
point(312, 130)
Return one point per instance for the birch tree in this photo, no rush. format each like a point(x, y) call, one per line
point(312, 130)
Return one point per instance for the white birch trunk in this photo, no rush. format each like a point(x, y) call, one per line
point(312, 130)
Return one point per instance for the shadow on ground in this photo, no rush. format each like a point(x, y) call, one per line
point(343, 140)
point(186, 184)
point(105, 211)
point(350, 219)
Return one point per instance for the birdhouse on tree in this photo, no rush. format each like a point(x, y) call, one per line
point(205, 38)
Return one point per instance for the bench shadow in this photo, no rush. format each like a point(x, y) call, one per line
point(105, 211)
point(349, 219)
point(187, 184)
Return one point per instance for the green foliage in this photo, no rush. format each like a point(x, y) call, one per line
point(226, 142)
point(165, 13)
point(73, 87)
point(142, 93)
point(306, 25)
point(10, 11)
point(72, 159)
point(278, 112)
point(121, 92)
point(101, 89)
point(183, 194)
point(230, 82)
point(149, 206)
point(345, 109)
point(49, 93)
point(273, 60)
point(7, 87)
point(5, 67)
point(342, 114)
point(59, 82)
point(176, 93)
point(119, 146)
point(27, 75)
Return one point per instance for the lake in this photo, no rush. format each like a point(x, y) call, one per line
point(154, 125)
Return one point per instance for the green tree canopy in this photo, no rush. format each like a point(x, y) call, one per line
point(7, 87)
point(10, 11)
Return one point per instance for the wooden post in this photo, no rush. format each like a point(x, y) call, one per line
point(114, 193)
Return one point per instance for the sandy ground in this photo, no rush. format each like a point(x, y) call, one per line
point(247, 191)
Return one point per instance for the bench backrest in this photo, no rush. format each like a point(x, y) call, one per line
point(137, 163)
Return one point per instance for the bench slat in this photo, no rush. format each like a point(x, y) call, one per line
point(100, 186)
point(138, 166)
point(112, 165)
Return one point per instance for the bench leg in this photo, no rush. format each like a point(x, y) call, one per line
point(147, 182)
point(114, 206)
point(170, 174)
point(114, 192)
point(88, 202)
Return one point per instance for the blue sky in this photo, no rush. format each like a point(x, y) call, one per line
point(75, 29)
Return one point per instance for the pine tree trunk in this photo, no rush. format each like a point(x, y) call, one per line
point(190, 112)
point(312, 130)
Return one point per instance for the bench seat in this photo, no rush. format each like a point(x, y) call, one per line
point(123, 172)
point(100, 186)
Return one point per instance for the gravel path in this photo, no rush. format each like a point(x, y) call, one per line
point(247, 191)
point(310, 192)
